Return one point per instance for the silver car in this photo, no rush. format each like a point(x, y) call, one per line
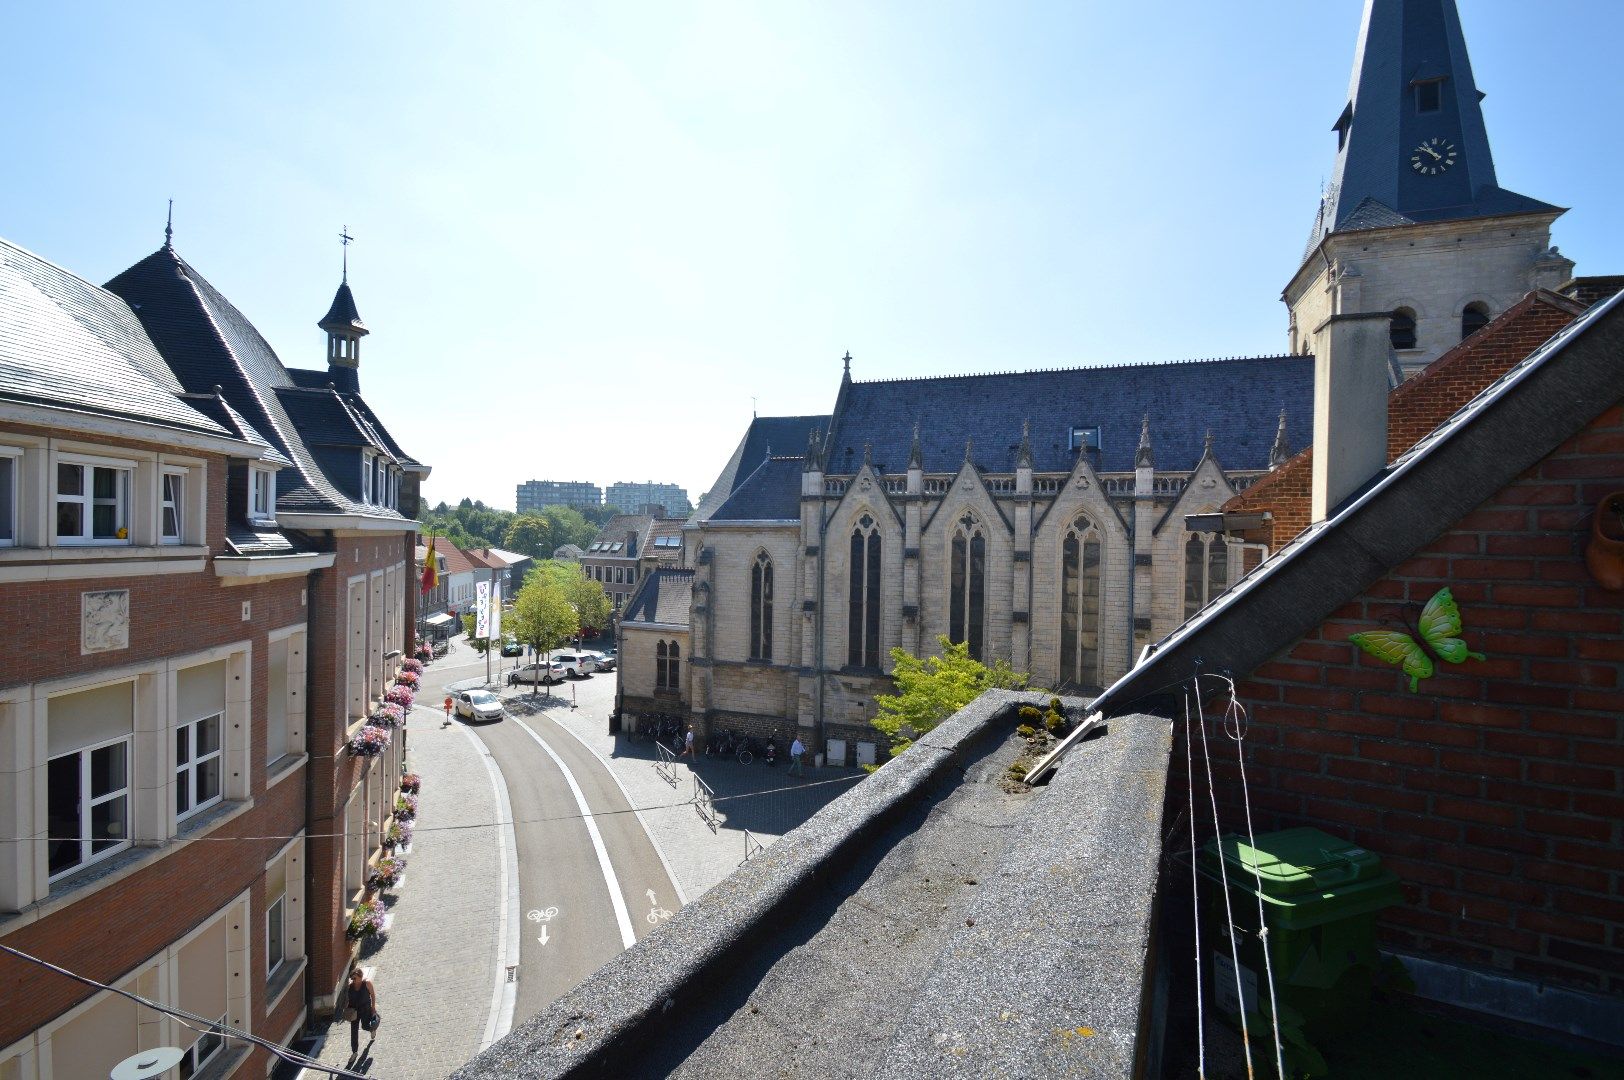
point(479, 705)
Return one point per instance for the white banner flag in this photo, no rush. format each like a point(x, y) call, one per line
point(496, 610)
point(482, 609)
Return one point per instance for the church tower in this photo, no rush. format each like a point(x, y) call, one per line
point(1414, 221)
point(344, 333)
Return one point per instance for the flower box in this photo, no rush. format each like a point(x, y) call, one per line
point(400, 695)
point(405, 807)
point(368, 920)
point(369, 741)
point(411, 783)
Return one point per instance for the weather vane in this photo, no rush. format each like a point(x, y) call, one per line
point(346, 239)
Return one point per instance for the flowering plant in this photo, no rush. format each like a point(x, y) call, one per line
point(425, 651)
point(387, 873)
point(400, 695)
point(369, 741)
point(387, 715)
point(407, 678)
point(366, 921)
point(411, 783)
point(405, 807)
point(397, 834)
point(412, 665)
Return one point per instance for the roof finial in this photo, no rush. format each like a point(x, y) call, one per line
point(169, 226)
point(1142, 456)
point(969, 445)
point(813, 456)
point(1023, 456)
point(346, 239)
point(1281, 450)
point(847, 360)
point(868, 453)
point(1206, 444)
point(916, 452)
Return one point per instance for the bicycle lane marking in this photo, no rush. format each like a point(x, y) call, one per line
point(627, 937)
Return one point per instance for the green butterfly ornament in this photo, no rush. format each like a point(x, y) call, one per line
point(1440, 630)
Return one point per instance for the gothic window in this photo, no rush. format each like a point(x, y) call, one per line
point(1206, 570)
point(1402, 329)
point(761, 608)
point(863, 598)
point(1080, 604)
point(667, 657)
point(967, 578)
point(1474, 318)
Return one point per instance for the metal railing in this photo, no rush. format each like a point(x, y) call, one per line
point(704, 801)
point(752, 847)
point(665, 763)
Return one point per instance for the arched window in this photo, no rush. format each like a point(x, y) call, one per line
point(967, 578)
point(1401, 330)
point(659, 666)
point(667, 656)
point(863, 599)
point(1080, 604)
point(1206, 570)
point(761, 608)
point(1472, 319)
point(672, 663)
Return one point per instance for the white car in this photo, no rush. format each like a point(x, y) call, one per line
point(575, 663)
point(601, 661)
point(536, 674)
point(479, 705)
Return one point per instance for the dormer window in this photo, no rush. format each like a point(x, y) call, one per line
point(261, 494)
point(367, 468)
point(1085, 437)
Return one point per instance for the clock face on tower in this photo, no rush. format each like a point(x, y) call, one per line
point(1433, 156)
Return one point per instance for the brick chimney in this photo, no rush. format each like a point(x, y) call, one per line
point(1352, 376)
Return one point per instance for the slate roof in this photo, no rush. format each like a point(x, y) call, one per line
point(1240, 399)
point(67, 343)
point(1402, 43)
point(342, 314)
point(627, 530)
point(766, 434)
point(207, 342)
point(771, 493)
point(664, 596)
point(668, 530)
point(1507, 428)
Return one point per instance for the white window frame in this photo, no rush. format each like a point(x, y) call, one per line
point(187, 772)
point(261, 481)
point(193, 1063)
point(11, 460)
point(124, 474)
point(281, 952)
point(88, 802)
point(177, 504)
point(367, 466)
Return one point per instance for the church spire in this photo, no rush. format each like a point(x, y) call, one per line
point(1281, 450)
point(344, 330)
point(1411, 143)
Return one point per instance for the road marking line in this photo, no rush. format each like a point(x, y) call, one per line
point(506, 993)
point(622, 917)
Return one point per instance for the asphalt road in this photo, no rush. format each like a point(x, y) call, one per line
point(572, 925)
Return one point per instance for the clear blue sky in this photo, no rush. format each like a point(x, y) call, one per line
point(587, 234)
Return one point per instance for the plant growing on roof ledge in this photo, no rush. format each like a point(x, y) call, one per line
point(931, 689)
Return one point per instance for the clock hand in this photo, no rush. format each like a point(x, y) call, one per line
point(1435, 155)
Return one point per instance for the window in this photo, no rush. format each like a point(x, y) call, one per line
point(262, 494)
point(276, 934)
point(1085, 438)
point(667, 658)
point(8, 499)
point(201, 1052)
point(197, 765)
point(88, 804)
point(1080, 604)
point(92, 503)
point(1429, 96)
point(863, 599)
point(1401, 329)
point(1472, 319)
point(1206, 570)
point(367, 468)
point(761, 608)
point(966, 609)
point(173, 508)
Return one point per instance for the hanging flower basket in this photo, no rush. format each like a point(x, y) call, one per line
point(367, 921)
point(398, 834)
point(425, 652)
point(407, 678)
point(387, 873)
point(412, 665)
point(400, 695)
point(369, 741)
point(405, 807)
point(411, 783)
point(387, 716)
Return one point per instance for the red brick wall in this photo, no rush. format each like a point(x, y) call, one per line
point(1495, 790)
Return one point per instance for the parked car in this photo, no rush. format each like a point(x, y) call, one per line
point(575, 663)
point(602, 661)
point(536, 674)
point(479, 705)
point(511, 647)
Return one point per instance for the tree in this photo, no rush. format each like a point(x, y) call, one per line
point(586, 596)
point(542, 616)
point(931, 689)
point(531, 534)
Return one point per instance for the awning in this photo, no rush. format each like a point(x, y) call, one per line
point(437, 620)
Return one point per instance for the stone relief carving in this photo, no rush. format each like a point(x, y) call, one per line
point(104, 620)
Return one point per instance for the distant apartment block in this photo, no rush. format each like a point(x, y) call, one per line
point(535, 494)
point(631, 498)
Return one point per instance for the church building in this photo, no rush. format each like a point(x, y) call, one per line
point(1053, 519)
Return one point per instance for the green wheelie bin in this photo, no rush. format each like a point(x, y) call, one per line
point(1321, 896)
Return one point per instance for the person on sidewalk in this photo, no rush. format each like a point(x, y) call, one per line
point(360, 1007)
point(797, 750)
point(688, 743)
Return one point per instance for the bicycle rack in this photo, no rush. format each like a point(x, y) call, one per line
point(665, 764)
point(704, 802)
point(752, 847)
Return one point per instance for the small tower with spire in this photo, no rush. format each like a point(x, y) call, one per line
point(344, 330)
point(1280, 452)
point(812, 467)
point(1144, 462)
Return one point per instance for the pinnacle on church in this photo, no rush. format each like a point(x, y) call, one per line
point(868, 454)
point(1023, 456)
point(1142, 458)
point(1206, 445)
point(846, 375)
point(1280, 452)
point(916, 452)
point(969, 444)
point(813, 460)
point(169, 228)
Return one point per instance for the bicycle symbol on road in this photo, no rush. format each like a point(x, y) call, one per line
point(542, 914)
point(656, 913)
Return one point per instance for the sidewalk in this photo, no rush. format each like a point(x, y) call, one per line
point(436, 969)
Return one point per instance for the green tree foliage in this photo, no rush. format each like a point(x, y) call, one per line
point(932, 688)
point(542, 616)
point(537, 533)
point(584, 595)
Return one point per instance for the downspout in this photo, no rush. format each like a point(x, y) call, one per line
point(1133, 576)
point(823, 564)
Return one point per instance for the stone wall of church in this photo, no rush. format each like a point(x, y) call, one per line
point(836, 564)
point(1080, 501)
point(754, 688)
point(942, 521)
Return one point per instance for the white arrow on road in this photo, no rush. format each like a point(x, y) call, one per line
point(543, 937)
point(650, 895)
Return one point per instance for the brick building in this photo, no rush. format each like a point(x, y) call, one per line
point(204, 573)
point(1490, 786)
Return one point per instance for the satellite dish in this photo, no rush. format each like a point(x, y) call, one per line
point(147, 1064)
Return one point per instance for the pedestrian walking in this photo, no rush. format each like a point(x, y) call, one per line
point(688, 743)
point(360, 1008)
point(796, 750)
point(447, 711)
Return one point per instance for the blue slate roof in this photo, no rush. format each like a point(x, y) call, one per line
point(771, 493)
point(67, 343)
point(1240, 400)
point(776, 435)
point(1403, 43)
point(663, 597)
point(207, 342)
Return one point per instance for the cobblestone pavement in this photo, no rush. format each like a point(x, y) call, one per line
point(435, 971)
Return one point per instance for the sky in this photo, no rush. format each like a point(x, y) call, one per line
point(590, 239)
